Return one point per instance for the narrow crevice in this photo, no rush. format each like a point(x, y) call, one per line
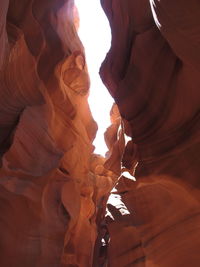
point(95, 34)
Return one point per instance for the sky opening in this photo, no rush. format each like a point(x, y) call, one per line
point(94, 32)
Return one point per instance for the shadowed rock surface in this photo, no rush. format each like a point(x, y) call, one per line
point(152, 71)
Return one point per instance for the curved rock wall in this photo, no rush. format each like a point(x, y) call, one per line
point(51, 184)
point(152, 71)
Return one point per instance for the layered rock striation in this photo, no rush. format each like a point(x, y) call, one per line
point(57, 202)
point(152, 71)
point(51, 184)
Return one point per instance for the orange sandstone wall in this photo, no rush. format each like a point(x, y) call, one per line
point(51, 183)
point(53, 189)
point(152, 71)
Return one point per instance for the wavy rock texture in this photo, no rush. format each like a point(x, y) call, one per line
point(53, 189)
point(152, 71)
point(52, 186)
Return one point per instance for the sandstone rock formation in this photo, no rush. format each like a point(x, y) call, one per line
point(152, 71)
point(50, 184)
point(57, 202)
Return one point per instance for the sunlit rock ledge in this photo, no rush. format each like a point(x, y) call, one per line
point(63, 205)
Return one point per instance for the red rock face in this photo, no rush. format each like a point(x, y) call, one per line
point(50, 189)
point(152, 71)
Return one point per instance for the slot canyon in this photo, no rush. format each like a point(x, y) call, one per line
point(63, 205)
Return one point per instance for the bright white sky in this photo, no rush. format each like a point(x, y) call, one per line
point(95, 35)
